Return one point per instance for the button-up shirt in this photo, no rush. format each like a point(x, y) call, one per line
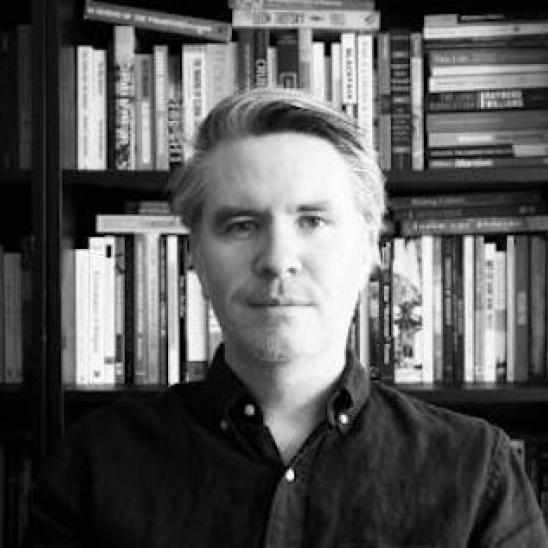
point(198, 468)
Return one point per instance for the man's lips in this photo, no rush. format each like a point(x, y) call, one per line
point(266, 302)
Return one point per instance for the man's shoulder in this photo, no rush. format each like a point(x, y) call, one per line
point(417, 419)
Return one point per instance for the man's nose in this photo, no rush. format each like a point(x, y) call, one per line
point(278, 251)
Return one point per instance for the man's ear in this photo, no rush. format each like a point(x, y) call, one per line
point(196, 261)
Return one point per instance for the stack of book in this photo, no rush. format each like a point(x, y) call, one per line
point(487, 91)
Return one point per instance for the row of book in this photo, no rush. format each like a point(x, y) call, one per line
point(15, 98)
point(138, 315)
point(15, 318)
point(464, 300)
point(15, 487)
point(486, 91)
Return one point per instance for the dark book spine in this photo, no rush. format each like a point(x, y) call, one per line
point(260, 57)
point(400, 78)
point(129, 333)
point(287, 51)
point(163, 313)
point(458, 312)
point(448, 318)
point(245, 52)
point(183, 265)
point(387, 252)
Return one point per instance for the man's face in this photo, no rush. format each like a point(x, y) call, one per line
point(281, 248)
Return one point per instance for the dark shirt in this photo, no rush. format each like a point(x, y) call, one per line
point(198, 468)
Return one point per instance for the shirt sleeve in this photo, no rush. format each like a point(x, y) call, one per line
point(510, 515)
point(57, 501)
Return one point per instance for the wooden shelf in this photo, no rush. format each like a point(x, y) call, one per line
point(83, 395)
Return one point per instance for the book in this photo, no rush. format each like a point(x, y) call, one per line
point(144, 112)
point(120, 223)
point(120, 309)
point(475, 225)
point(85, 110)
point(174, 110)
point(123, 130)
point(498, 136)
point(287, 59)
point(196, 327)
point(365, 87)
point(138, 16)
point(508, 150)
point(221, 78)
point(510, 308)
point(417, 101)
point(302, 4)
point(384, 100)
point(500, 311)
point(448, 324)
point(468, 265)
point(522, 306)
point(472, 82)
point(496, 99)
point(433, 30)
point(537, 309)
point(82, 317)
point(160, 55)
point(488, 162)
point(12, 311)
point(305, 55)
point(365, 20)
point(172, 294)
point(464, 58)
point(407, 317)
point(261, 42)
point(349, 97)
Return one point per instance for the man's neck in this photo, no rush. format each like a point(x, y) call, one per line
point(292, 395)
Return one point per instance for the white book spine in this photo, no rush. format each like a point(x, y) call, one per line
point(489, 373)
point(84, 102)
point(194, 92)
point(173, 327)
point(427, 281)
point(99, 119)
point(82, 315)
point(500, 309)
point(196, 319)
point(336, 86)
point(109, 309)
point(468, 306)
point(152, 306)
point(160, 58)
point(348, 70)
point(510, 307)
point(318, 71)
point(473, 82)
point(366, 83)
point(416, 63)
point(96, 246)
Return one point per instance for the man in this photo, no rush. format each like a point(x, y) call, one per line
point(287, 443)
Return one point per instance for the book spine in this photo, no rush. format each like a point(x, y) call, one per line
point(349, 96)
point(305, 40)
point(427, 282)
point(119, 308)
point(479, 308)
point(357, 20)
point(496, 99)
point(172, 296)
point(387, 371)
point(109, 309)
point(385, 100)
point(261, 42)
point(196, 325)
point(160, 119)
point(152, 306)
point(184, 265)
point(194, 93)
point(468, 264)
point(96, 246)
point(489, 371)
point(475, 138)
point(488, 30)
point(473, 82)
point(12, 318)
point(417, 101)
point(302, 4)
point(522, 277)
point(117, 14)
point(163, 313)
point(500, 310)
point(245, 46)
point(84, 89)
point(537, 312)
point(129, 309)
point(442, 122)
point(144, 144)
point(510, 308)
point(287, 56)
point(400, 79)
point(100, 108)
point(174, 110)
point(336, 75)
point(458, 312)
point(318, 80)
point(485, 56)
point(508, 150)
point(448, 317)
point(220, 72)
point(140, 369)
point(82, 317)
point(123, 102)
point(487, 162)
point(437, 304)
point(365, 85)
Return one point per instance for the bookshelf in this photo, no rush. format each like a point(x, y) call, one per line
point(57, 204)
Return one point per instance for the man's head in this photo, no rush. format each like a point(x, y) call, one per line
point(285, 207)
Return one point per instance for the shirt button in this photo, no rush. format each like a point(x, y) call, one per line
point(290, 475)
point(249, 410)
point(343, 418)
point(223, 425)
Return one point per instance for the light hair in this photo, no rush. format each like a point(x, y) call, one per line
point(265, 111)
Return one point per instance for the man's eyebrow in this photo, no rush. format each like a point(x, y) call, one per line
point(314, 206)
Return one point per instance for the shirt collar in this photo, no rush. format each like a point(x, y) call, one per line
point(225, 391)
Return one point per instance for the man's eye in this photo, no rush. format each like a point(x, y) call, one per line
point(311, 222)
point(241, 227)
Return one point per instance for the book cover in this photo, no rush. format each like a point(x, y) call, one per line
point(137, 16)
